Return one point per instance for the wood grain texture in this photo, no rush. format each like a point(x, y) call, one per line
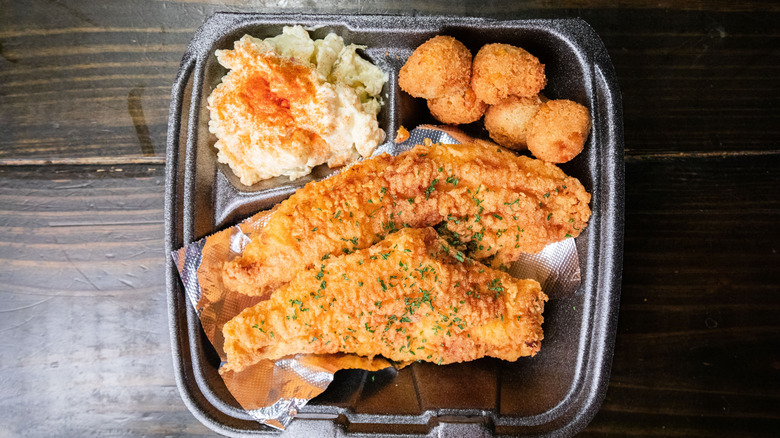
point(84, 95)
point(83, 306)
point(698, 335)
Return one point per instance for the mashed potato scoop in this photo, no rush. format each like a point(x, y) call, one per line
point(290, 103)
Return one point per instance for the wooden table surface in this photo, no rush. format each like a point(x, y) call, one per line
point(84, 96)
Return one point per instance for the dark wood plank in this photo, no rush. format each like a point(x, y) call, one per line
point(698, 342)
point(695, 81)
point(84, 322)
point(93, 94)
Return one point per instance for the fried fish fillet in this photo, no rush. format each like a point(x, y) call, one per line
point(488, 202)
point(409, 297)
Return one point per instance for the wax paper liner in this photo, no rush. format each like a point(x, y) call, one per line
point(274, 391)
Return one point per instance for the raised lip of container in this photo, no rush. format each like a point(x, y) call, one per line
point(581, 403)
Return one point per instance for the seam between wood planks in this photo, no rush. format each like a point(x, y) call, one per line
point(719, 154)
point(85, 161)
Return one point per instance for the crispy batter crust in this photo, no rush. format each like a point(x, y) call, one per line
point(440, 66)
point(557, 132)
point(502, 70)
point(457, 109)
point(409, 297)
point(507, 122)
point(489, 202)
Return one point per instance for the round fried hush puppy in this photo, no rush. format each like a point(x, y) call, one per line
point(507, 122)
point(502, 70)
point(557, 132)
point(459, 109)
point(439, 67)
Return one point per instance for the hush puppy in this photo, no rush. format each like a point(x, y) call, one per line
point(507, 122)
point(440, 66)
point(502, 70)
point(557, 132)
point(457, 109)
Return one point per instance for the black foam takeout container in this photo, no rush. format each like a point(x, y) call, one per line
point(555, 393)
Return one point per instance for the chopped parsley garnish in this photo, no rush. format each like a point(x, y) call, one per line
point(431, 188)
point(496, 286)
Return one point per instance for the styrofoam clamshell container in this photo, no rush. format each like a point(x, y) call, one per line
point(555, 393)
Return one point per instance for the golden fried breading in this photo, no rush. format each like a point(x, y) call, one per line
point(557, 132)
point(440, 66)
point(457, 109)
point(507, 122)
point(409, 297)
point(401, 135)
point(489, 202)
point(502, 70)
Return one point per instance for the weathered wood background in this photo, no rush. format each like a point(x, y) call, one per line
point(84, 95)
